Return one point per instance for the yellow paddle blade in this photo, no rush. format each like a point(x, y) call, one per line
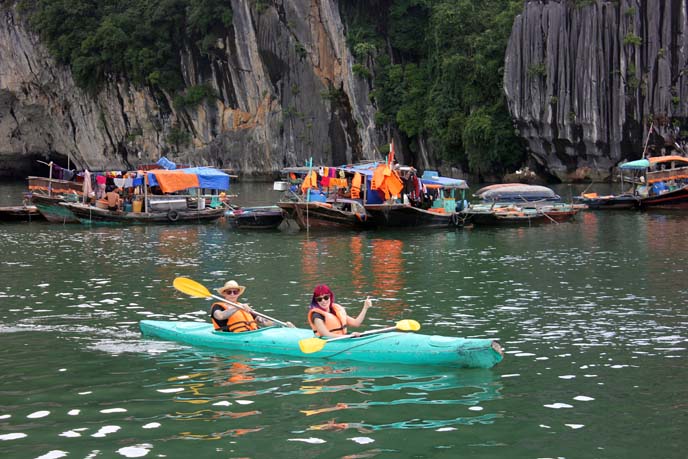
point(191, 287)
point(408, 325)
point(310, 345)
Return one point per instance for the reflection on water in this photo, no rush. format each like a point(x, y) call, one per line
point(333, 395)
point(591, 314)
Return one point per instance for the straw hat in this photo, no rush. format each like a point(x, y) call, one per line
point(231, 285)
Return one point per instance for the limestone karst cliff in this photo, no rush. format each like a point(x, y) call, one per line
point(584, 80)
point(275, 76)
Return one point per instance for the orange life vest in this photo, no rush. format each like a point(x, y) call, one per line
point(240, 321)
point(335, 323)
point(356, 186)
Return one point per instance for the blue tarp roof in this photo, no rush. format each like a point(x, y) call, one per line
point(166, 164)
point(207, 177)
point(366, 169)
point(431, 178)
point(637, 164)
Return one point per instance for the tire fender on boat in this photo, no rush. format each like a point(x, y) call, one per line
point(173, 215)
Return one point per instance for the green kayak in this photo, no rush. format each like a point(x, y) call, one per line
point(390, 347)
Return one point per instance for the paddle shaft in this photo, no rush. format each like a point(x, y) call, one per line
point(259, 314)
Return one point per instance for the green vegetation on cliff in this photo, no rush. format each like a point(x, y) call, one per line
point(138, 39)
point(435, 66)
point(437, 74)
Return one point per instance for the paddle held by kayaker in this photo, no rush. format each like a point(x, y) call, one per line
point(329, 319)
point(234, 316)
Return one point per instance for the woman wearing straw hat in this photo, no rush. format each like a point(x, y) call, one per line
point(234, 316)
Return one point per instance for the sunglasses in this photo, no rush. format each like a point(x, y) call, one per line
point(318, 299)
point(232, 291)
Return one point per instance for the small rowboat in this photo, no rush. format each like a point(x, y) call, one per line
point(391, 347)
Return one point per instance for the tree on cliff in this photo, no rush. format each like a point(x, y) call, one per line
point(438, 75)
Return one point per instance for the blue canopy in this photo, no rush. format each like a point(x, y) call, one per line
point(166, 164)
point(432, 178)
point(366, 169)
point(639, 164)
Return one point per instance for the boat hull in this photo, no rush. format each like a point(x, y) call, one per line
point(50, 208)
point(620, 202)
point(507, 216)
point(406, 216)
point(90, 214)
point(677, 199)
point(19, 213)
point(391, 347)
point(323, 215)
point(255, 217)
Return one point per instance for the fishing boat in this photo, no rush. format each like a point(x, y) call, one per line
point(518, 204)
point(325, 213)
point(19, 213)
point(324, 197)
point(89, 214)
point(429, 201)
point(391, 347)
point(167, 207)
point(595, 201)
point(46, 193)
point(660, 182)
point(260, 217)
point(509, 214)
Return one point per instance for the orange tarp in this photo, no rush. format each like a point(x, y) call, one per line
point(385, 180)
point(311, 181)
point(356, 186)
point(171, 181)
point(665, 159)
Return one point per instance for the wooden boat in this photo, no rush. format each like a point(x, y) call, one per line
point(166, 207)
point(397, 215)
point(608, 202)
point(51, 210)
point(438, 208)
point(92, 214)
point(261, 217)
point(512, 214)
point(321, 213)
point(322, 201)
point(47, 193)
point(384, 348)
point(388, 195)
point(19, 213)
point(660, 182)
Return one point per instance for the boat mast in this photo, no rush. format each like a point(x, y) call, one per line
point(647, 140)
point(145, 191)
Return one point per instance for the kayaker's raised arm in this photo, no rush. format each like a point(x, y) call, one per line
point(358, 321)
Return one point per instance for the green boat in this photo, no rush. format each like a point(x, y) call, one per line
point(390, 347)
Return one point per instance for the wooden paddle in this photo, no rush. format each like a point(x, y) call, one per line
point(193, 288)
point(310, 345)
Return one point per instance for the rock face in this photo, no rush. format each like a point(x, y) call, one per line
point(283, 77)
point(584, 82)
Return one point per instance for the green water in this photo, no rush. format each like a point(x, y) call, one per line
point(592, 315)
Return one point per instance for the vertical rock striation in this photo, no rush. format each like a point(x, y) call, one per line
point(285, 93)
point(585, 79)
